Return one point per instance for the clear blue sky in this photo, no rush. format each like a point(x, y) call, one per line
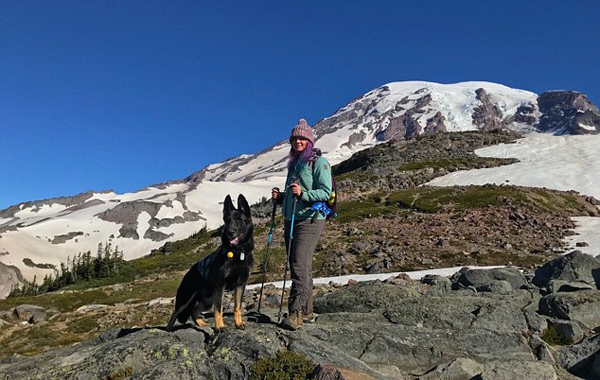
point(124, 94)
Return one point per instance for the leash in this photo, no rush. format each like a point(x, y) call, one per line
point(289, 250)
point(266, 263)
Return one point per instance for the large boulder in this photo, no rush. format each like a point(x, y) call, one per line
point(362, 297)
point(582, 359)
point(575, 266)
point(582, 306)
point(30, 313)
point(488, 279)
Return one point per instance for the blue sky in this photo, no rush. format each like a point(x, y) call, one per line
point(120, 95)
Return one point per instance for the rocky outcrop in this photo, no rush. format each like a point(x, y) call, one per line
point(127, 214)
point(574, 267)
point(567, 112)
point(36, 205)
point(397, 329)
point(487, 116)
point(61, 239)
point(10, 276)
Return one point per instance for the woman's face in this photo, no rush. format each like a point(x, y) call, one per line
point(299, 143)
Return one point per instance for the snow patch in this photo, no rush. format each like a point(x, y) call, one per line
point(555, 162)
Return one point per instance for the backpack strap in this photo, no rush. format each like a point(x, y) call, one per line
point(314, 155)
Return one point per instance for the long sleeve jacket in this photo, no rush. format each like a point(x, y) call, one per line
point(314, 179)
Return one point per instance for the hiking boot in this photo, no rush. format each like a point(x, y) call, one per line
point(310, 318)
point(293, 321)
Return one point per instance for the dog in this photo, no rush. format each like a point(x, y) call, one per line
point(228, 268)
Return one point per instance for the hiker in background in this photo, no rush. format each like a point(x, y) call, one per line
point(309, 185)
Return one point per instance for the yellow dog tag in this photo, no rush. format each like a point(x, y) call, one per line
point(230, 254)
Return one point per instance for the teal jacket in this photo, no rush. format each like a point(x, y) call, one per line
point(315, 182)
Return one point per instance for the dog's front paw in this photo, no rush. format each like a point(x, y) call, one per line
point(220, 328)
point(240, 326)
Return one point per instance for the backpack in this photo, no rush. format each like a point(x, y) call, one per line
point(331, 203)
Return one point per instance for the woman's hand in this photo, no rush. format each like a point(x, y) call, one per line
point(296, 190)
point(275, 193)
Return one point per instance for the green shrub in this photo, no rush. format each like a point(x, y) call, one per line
point(554, 338)
point(286, 365)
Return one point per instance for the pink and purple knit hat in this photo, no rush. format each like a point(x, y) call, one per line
point(303, 130)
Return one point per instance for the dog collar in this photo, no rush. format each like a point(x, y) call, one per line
point(230, 255)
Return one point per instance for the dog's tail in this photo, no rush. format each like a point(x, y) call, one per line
point(178, 311)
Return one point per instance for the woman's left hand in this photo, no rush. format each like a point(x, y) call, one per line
point(296, 190)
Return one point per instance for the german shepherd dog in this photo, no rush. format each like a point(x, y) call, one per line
point(228, 268)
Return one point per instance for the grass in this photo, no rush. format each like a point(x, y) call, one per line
point(358, 210)
point(285, 365)
point(71, 300)
point(36, 339)
point(554, 338)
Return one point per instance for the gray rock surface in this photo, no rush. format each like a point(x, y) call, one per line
point(398, 329)
point(582, 306)
point(572, 267)
point(10, 276)
point(482, 280)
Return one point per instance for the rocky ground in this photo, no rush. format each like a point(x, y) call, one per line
point(479, 324)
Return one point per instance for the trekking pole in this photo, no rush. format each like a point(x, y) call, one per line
point(266, 263)
point(289, 250)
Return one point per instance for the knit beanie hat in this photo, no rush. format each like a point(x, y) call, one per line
point(303, 130)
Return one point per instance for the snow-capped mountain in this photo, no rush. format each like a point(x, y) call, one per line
point(37, 236)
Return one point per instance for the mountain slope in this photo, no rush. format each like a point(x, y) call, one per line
point(37, 236)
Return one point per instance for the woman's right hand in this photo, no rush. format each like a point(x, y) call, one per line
point(275, 193)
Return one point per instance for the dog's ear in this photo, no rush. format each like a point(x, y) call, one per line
point(227, 206)
point(243, 205)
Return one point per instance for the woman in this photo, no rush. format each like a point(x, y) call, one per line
point(308, 184)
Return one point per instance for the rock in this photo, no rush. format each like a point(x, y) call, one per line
point(581, 359)
point(501, 287)
point(511, 370)
point(10, 276)
point(361, 298)
point(567, 112)
point(582, 306)
point(574, 266)
point(27, 312)
point(536, 322)
point(569, 330)
point(37, 317)
point(541, 349)
point(359, 247)
point(273, 299)
point(90, 308)
point(374, 269)
point(160, 301)
point(353, 231)
point(458, 369)
point(484, 277)
point(333, 372)
point(438, 284)
point(425, 261)
point(119, 354)
point(555, 286)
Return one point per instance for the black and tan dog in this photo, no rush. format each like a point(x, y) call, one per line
point(228, 268)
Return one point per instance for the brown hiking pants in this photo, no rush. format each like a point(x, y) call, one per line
point(306, 236)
